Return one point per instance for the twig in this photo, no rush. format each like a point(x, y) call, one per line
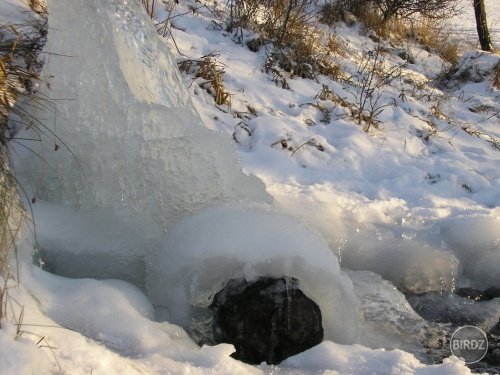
point(301, 145)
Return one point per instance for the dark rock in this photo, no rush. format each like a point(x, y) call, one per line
point(471, 293)
point(267, 320)
point(480, 295)
point(492, 292)
point(255, 44)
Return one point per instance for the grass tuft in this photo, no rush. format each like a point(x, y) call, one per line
point(211, 70)
point(20, 64)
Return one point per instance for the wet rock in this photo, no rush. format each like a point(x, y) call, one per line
point(267, 320)
point(480, 295)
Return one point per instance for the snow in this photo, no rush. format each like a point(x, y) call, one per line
point(357, 359)
point(154, 213)
point(21, 355)
point(12, 10)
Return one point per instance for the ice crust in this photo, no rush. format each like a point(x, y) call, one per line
point(451, 308)
point(387, 319)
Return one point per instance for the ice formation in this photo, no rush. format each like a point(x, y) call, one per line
point(121, 145)
point(388, 320)
point(143, 160)
point(121, 109)
point(475, 240)
point(407, 251)
point(412, 266)
point(204, 251)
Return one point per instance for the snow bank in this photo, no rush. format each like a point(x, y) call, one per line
point(117, 339)
point(360, 360)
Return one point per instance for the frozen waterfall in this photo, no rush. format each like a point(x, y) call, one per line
point(130, 184)
point(120, 108)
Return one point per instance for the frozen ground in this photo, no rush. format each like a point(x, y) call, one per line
point(412, 203)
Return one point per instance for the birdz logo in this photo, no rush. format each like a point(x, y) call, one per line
point(469, 344)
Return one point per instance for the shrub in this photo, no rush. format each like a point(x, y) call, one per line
point(390, 9)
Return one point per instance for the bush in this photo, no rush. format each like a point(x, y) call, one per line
point(390, 9)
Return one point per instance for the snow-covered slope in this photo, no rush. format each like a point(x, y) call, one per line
point(410, 199)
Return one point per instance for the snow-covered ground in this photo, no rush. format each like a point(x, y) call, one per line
point(415, 200)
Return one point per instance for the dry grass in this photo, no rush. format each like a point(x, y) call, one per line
point(151, 7)
point(496, 76)
point(434, 34)
point(209, 69)
point(20, 46)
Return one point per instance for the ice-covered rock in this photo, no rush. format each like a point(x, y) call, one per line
point(120, 144)
point(202, 252)
point(267, 320)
